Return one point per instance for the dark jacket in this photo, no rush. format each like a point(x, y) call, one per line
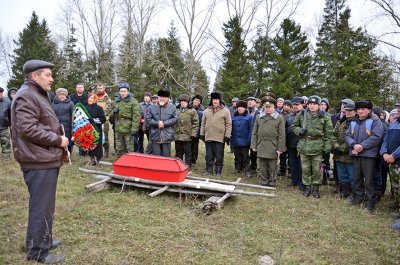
point(241, 129)
point(200, 114)
point(82, 99)
point(370, 142)
point(95, 111)
point(36, 132)
point(5, 106)
point(63, 111)
point(292, 139)
point(339, 141)
point(169, 116)
point(391, 142)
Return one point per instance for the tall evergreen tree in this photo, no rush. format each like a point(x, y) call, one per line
point(291, 61)
point(236, 70)
point(33, 43)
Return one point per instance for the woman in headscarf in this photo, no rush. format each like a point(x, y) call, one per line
point(98, 118)
point(63, 108)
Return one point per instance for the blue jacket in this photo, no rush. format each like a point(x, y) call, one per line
point(369, 140)
point(391, 142)
point(169, 116)
point(241, 129)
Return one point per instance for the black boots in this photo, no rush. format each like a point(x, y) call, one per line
point(207, 172)
point(307, 190)
point(218, 171)
point(315, 191)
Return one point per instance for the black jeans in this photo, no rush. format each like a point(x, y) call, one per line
point(42, 184)
point(241, 157)
point(253, 160)
point(283, 161)
point(215, 155)
point(184, 148)
point(195, 150)
point(364, 177)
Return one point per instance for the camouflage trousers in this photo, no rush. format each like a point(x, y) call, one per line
point(5, 142)
point(106, 129)
point(123, 144)
point(394, 171)
point(310, 166)
point(268, 170)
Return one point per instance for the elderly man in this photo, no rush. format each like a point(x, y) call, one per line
point(363, 137)
point(5, 105)
point(39, 147)
point(216, 129)
point(161, 119)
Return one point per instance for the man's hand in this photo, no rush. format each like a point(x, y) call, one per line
point(279, 152)
point(64, 141)
point(160, 124)
point(203, 138)
point(302, 132)
point(389, 158)
point(254, 149)
point(354, 152)
point(227, 140)
point(358, 148)
point(338, 151)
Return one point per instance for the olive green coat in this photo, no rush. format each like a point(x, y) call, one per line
point(128, 116)
point(268, 135)
point(339, 141)
point(188, 124)
point(319, 135)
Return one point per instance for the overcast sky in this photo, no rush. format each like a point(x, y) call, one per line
point(15, 14)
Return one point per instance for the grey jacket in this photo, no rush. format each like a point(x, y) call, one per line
point(168, 115)
point(370, 141)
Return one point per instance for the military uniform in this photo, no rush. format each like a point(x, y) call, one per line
point(5, 106)
point(316, 132)
point(126, 115)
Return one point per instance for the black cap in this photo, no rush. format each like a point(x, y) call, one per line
point(350, 106)
point(297, 100)
point(34, 65)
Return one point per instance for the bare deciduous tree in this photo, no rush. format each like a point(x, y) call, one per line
point(6, 52)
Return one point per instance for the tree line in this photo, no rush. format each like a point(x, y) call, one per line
point(277, 58)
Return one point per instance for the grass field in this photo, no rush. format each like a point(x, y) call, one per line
point(128, 227)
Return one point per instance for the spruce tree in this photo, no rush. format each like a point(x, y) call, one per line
point(33, 43)
point(290, 61)
point(236, 70)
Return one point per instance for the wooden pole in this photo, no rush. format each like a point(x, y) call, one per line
point(199, 185)
point(232, 183)
point(99, 185)
point(157, 192)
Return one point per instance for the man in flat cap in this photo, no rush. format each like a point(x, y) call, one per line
point(125, 114)
point(39, 147)
point(216, 129)
point(315, 129)
point(161, 119)
point(363, 137)
point(5, 106)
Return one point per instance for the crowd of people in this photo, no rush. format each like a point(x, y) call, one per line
point(301, 134)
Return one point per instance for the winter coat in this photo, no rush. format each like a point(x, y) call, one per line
point(168, 115)
point(370, 141)
point(199, 111)
point(216, 124)
point(391, 141)
point(241, 129)
point(339, 141)
point(95, 111)
point(143, 107)
point(5, 106)
point(188, 124)
point(83, 99)
point(319, 134)
point(292, 139)
point(105, 102)
point(63, 111)
point(126, 115)
point(268, 135)
point(36, 131)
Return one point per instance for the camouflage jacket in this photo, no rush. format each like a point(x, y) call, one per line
point(126, 115)
point(188, 123)
point(105, 102)
point(339, 141)
point(319, 132)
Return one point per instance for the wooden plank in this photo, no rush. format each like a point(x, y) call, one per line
point(157, 192)
point(99, 185)
point(198, 185)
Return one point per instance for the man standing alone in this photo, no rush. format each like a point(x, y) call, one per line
point(39, 146)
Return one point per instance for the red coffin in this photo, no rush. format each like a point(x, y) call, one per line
point(151, 167)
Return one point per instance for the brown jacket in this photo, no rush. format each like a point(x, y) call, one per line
point(36, 132)
point(216, 125)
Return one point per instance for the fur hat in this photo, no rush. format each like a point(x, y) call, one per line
point(268, 100)
point(62, 91)
point(198, 97)
point(241, 103)
point(184, 97)
point(364, 104)
point(163, 93)
point(280, 99)
point(215, 95)
point(124, 85)
point(314, 99)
